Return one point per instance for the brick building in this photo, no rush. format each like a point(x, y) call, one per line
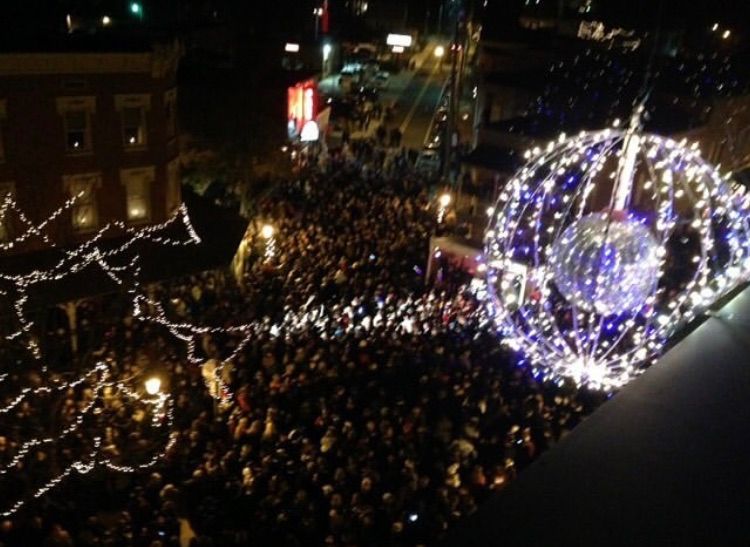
point(91, 116)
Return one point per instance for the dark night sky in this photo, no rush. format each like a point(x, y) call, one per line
point(289, 17)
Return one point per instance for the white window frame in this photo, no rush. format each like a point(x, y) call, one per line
point(87, 105)
point(141, 102)
point(131, 179)
point(72, 185)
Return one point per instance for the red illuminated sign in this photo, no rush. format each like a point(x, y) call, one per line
point(301, 106)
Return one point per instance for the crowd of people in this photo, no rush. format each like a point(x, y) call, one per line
point(370, 406)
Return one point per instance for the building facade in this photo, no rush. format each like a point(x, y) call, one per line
point(98, 125)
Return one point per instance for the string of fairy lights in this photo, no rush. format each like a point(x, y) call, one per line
point(86, 254)
point(569, 322)
point(145, 309)
point(89, 253)
point(577, 274)
point(162, 412)
point(56, 386)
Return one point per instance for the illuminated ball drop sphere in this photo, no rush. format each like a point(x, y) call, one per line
point(604, 245)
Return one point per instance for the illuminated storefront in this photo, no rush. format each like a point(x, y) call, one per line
point(302, 106)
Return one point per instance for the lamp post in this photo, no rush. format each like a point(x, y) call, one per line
point(327, 49)
point(443, 202)
point(153, 385)
point(268, 232)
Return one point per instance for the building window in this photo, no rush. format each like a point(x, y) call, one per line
point(133, 126)
point(76, 113)
point(170, 112)
point(7, 189)
point(85, 215)
point(137, 184)
point(173, 186)
point(77, 131)
point(132, 109)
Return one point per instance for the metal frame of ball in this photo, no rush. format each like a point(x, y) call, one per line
point(555, 351)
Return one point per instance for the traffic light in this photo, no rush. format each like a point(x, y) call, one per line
point(136, 8)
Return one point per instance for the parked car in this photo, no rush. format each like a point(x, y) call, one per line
point(381, 80)
point(428, 162)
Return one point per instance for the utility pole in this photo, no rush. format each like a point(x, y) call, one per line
point(451, 125)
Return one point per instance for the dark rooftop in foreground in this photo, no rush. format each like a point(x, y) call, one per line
point(662, 463)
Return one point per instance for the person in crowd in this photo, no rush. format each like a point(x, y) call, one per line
point(368, 407)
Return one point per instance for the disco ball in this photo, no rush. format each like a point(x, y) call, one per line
point(603, 265)
point(605, 244)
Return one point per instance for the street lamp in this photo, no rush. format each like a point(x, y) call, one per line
point(443, 201)
point(106, 21)
point(267, 231)
point(153, 385)
point(327, 49)
point(439, 51)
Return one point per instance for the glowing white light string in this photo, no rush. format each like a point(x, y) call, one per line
point(74, 261)
point(594, 307)
point(162, 407)
point(89, 254)
point(31, 229)
point(57, 386)
point(81, 466)
point(26, 447)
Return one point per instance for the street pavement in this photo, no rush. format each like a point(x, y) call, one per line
point(418, 101)
point(415, 94)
